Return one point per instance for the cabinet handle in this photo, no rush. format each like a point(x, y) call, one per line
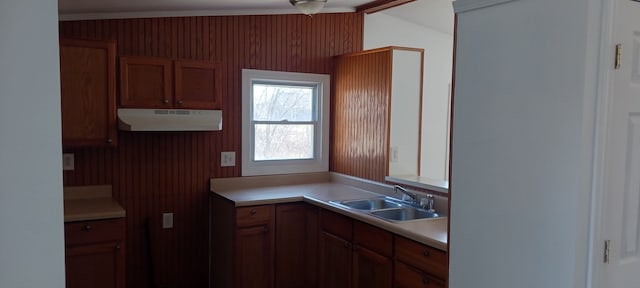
point(253, 212)
point(179, 102)
point(118, 245)
point(87, 227)
point(165, 101)
point(109, 141)
point(266, 229)
point(425, 253)
point(425, 281)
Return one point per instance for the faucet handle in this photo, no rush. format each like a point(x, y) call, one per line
point(428, 203)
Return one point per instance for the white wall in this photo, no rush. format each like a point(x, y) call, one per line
point(31, 209)
point(382, 30)
point(522, 145)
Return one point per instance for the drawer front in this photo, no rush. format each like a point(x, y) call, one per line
point(254, 215)
point(428, 259)
point(410, 277)
point(83, 232)
point(373, 238)
point(336, 224)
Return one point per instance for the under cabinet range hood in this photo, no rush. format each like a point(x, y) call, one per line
point(169, 120)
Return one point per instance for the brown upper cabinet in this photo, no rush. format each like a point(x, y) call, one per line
point(88, 94)
point(152, 82)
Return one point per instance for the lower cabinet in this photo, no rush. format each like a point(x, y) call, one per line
point(263, 246)
point(300, 245)
point(418, 265)
point(94, 254)
point(254, 246)
point(354, 254)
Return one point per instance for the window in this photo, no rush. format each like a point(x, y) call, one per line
point(285, 122)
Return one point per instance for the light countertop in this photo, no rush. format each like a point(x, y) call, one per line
point(319, 191)
point(84, 203)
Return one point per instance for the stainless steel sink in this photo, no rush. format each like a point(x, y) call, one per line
point(404, 214)
point(388, 208)
point(370, 204)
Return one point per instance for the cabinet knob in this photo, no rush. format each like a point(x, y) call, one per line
point(425, 281)
point(165, 101)
point(87, 227)
point(109, 140)
point(118, 245)
point(266, 229)
point(425, 253)
point(252, 212)
point(179, 102)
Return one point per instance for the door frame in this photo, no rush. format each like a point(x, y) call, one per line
point(596, 266)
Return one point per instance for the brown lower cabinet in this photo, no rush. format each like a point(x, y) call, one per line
point(301, 245)
point(94, 254)
point(354, 254)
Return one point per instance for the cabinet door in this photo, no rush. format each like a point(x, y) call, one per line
point(88, 94)
point(296, 246)
point(371, 269)
point(97, 265)
point(335, 261)
point(254, 257)
point(146, 82)
point(197, 85)
point(410, 277)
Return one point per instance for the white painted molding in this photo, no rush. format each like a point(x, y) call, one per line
point(185, 13)
point(460, 6)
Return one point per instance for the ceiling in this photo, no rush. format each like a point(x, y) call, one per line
point(435, 14)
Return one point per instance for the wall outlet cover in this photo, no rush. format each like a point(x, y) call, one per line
point(167, 220)
point(68, 161)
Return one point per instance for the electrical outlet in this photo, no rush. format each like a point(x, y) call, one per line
point(68, 161)
point(394, 154)
point(167, 220)
point(228, 159)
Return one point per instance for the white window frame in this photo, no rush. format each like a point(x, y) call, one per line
point(320, 162)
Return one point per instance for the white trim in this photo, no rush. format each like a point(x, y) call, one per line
point(186, 13)
point(460, 6)
point(321, 162)
point(595, 265)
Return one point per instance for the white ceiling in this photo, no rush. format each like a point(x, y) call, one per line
point(435, 14)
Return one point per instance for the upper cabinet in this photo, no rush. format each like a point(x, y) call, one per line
point(377, 112)
point(152, 82)
point(88, 95)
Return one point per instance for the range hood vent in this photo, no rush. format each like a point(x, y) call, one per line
point(169, 120)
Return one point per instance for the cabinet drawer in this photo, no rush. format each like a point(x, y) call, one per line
point(254, 215)
point(373, 238)
point(409, 277)
point(94, 231)
point(336, 224)
point(428, 259)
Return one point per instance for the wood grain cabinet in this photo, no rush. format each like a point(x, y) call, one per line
point(263, 246)
point(254, 246)
point(153, 82)
point(296, 245)
point(95, 254)
point(354, 254)
point(418, 265)
point(88, 95)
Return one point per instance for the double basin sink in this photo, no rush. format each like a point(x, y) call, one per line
point(388, 208)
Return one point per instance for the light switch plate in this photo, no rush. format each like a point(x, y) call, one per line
point(68, 161)
point(228, 159)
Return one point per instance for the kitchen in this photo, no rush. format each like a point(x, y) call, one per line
point(44, 156)
point(167, 172)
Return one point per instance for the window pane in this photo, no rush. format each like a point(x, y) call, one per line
point(283, 102)
point(283, 142)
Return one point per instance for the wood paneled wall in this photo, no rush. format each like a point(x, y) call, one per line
point(156, 172)
point(360, 113)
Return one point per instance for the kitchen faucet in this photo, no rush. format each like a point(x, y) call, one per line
point(413, 196)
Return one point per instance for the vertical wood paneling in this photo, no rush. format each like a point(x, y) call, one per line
point(155, 172)
point(360, 111)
